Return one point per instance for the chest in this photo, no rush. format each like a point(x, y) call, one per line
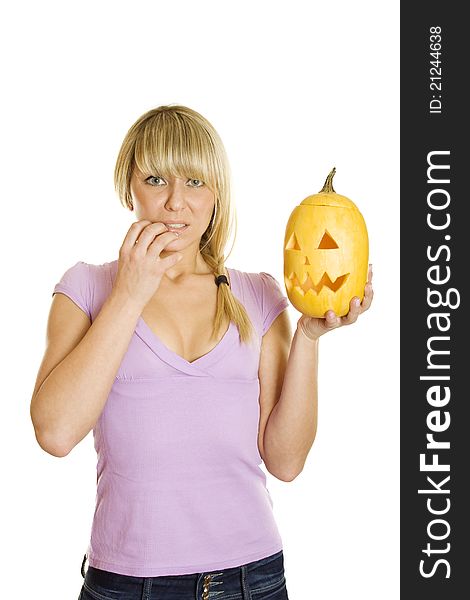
point(183, 321)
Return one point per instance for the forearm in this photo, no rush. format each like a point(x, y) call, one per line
point(292, 424)
point(72, 397)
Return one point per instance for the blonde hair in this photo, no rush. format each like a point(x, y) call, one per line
point(174, 140)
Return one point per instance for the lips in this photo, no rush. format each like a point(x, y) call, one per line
point(172, 227)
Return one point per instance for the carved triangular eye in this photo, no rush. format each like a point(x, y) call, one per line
point(293, 244)
point(327, 242)
point(307, 262)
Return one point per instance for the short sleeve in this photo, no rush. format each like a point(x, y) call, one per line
point(75, 283)
point(273, 300)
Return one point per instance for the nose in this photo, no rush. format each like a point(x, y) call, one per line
point(176, 195)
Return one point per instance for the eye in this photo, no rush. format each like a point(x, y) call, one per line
point(154, 177)
point(327, 242)
point(200, 183)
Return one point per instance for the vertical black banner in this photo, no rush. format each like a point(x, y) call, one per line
point(435, 239)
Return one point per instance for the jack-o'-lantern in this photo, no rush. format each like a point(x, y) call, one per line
point(326, 253)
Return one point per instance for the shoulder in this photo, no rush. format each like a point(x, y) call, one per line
point(251, 279)
point(251, 282)
point(89, 273)
point(87, 284)
point(259, 292)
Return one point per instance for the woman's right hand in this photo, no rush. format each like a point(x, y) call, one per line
point(140, 268)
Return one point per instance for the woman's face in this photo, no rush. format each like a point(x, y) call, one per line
point(187, 201)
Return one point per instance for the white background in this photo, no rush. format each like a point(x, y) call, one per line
point(293, 88)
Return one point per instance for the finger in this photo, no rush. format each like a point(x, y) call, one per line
point(370, 274)
point(368, 295)
point(133, 233)
point(354, 311)
point(149, 232)
point(160, 242)
point(331, 320)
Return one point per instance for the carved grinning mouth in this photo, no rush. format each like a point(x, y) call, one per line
point(325, 281)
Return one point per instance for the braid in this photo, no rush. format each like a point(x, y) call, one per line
point(227, 305)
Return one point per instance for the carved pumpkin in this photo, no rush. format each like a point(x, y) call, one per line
point(326, 253)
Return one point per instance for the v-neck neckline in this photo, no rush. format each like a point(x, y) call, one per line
point(151, 339)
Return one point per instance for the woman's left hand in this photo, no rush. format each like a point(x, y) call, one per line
point(313, 328)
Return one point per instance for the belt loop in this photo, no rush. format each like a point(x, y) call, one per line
point(83, 564)
point(245, 586)
point(147, 588)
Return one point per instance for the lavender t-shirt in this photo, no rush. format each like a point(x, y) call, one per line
point(179, 487)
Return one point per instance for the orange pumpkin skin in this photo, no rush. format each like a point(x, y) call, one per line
point(326, 253)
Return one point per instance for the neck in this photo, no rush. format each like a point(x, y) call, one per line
point(192, 263)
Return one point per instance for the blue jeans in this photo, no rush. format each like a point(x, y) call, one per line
point(258, 580)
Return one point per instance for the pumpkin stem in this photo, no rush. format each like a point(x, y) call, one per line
point(328, 185)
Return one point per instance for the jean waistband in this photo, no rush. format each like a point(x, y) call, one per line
point(235, 582)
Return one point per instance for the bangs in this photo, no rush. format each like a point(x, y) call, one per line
point(170, 146)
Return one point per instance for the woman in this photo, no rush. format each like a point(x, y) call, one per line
point(187, 373)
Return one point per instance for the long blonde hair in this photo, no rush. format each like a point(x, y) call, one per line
point(174, 140)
